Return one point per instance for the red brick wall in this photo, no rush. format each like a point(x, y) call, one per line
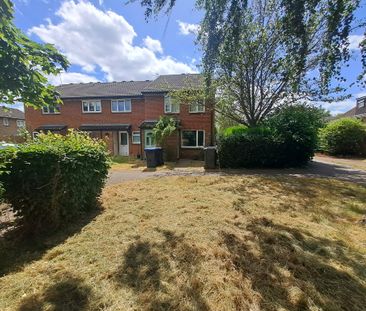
point(148, 108)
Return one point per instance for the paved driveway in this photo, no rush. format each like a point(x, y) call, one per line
point(314, 169)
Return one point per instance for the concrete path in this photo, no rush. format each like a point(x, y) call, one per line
point(315, 168)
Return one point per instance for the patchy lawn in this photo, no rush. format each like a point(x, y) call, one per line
point(201, 243)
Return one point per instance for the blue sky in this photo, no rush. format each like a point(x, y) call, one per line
point(107, 40)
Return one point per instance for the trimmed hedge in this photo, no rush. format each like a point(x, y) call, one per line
point(346, 136)
point(287, 139)
point(54, 179)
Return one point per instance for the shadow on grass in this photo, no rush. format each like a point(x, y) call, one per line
point(151, 269)
point(312, 195)
point(313, 169)
point(293, 270)
point(67, 294)
point(17, 250)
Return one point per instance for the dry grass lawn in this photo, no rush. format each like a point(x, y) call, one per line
point(200, 243)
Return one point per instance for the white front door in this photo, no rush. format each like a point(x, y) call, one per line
point(123, 144)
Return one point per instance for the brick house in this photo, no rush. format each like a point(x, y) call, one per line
point(11, 120)
point(359, 111)
point(124, 114)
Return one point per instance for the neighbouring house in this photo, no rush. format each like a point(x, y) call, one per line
point(125, 113)
point(359, 111)
point(11, 120)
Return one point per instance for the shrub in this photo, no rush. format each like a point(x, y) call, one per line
point(54, 179)
point(297, 128)
point(346, 136)
point(288, 138)
point(234, 130)
point(252, 147)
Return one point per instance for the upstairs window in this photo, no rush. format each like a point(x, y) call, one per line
point(51, 109)
point(5, 121)
point(361, 102)
point(92, 106)
point(171, 105)
point(121, 105)
point(193, 139)
point(197, 107)
point(20, 123)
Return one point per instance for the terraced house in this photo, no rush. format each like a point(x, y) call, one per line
point(125, 113)
point(11, 120)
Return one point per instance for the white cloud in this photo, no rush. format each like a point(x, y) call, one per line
point(354, 41)
point(71, 77)
point(92, 38)
point(342, 106)
point(153, 45)
point(188, 29)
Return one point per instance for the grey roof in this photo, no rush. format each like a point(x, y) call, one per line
point(129, 88)
point(350, 113)
point(174, 82)
point(11, 113)
point(108, 89)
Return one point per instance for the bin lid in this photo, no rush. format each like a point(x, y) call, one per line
point(209, 147)
point(152, 148)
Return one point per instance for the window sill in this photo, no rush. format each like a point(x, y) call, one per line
point(171, 112)
point(91, 112)
point(121, 111)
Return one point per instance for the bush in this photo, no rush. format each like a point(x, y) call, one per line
point(252, 147)
point(346, 136)
point(235, 130)
point(54, 179)
point(288, 138)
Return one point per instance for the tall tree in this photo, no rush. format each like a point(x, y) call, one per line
point(263, 53)
point(223, 19)
point(25, 64)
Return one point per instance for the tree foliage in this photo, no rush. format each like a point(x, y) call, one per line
point(25, 64)
point(265, 53)
point(220, 30)
point(165, 127)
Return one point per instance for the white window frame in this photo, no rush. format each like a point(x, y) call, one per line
point(46, 110)
point(133, 135)
point(196, 104)
point(124, 105)
point(88, 102)
point(197, 146)
point(20, 123)
point(168, 104)
point(35, 134)
point(6, 121)
point(361, 102)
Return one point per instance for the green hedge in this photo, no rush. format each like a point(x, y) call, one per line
point(346, 136)
point(287, 139)
point(54, 179)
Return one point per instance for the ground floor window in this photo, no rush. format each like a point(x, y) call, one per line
point(20, 123)
point(193, 138)
point(149, 139)
point(136, 139)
